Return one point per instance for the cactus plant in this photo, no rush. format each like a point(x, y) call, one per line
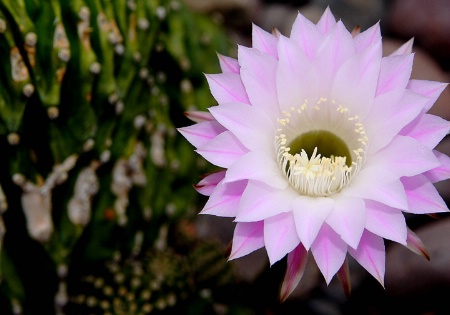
point(90, 94)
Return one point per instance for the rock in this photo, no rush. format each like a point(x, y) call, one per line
point(427, 21)
point(408, 274)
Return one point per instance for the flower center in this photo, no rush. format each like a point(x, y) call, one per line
point(320, 148)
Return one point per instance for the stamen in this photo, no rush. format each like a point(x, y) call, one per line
point(317, 175)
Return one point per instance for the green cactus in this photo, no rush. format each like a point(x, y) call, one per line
point(91, 92)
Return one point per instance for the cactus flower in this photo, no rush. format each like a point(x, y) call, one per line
point(324, 144)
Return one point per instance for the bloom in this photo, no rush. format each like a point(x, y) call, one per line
point(324, 144)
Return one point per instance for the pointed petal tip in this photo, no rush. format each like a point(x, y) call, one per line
point(415, 244)
point(344, 278)
point(296, 265)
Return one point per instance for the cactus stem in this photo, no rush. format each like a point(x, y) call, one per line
point(28, 89)
point(3, 26)
point(53, 112)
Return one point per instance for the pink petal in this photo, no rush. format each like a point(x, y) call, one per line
point(376, 184)
point(257, 166)
point(296, 264)
point(386, 222)
point(335, 49)
point(264, 41)
point(395, 73)
point(198, 116)
point(441, 172)
point(280, 236)
point(296, 79)
point(258, 73)
point(371, 255)
point(260, 201)
point(422, 196)
point(359, 75)
point(200, 134)
point(310, 214)
point(228, 65)
point(227, 87)
point(306, 35)
point(428, 129)
point(224, 200)
point(405, 156)
point(209, 182)
point(247, 238)
point(223, 150)
point(415, 244)
point(250, 125)
point(348, 219)
point(326, 22)
point(367, 38)
point(329, 252)
point(430, 89)
point(405, 49)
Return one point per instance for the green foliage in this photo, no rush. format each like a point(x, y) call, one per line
point(91, 94)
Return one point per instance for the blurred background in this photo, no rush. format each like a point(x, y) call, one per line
point(97, 210)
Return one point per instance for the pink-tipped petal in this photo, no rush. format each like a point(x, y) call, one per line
point(310, 213)
point(367, 38)
point(326, 22)
point(404, 49)
point(264, 41)
point(329, 252)
point(224, 200)
point(348, 219)
point(371, 255)
point(200, 134)
point(422, 196)
point(280, 236)
point(228, 64)
point(227, 87)
point(306, 35)
point(209, 182)
point(358, 74)
point(257, 166)
point(442, 172)
point(223, 150)
point(390, 114)
point(395, 73)
point(386, 222)
point(335, 49)
point(260, 201)
point(296, 264)
point(248, 237)
point(199, 116)
point(427, 129)
point(415, 244)
point(296, 79)
point(430, 89)
point(258, 73)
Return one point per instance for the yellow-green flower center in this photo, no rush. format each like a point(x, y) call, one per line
point(320, 148)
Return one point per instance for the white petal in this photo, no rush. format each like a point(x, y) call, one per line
point(375, 183)
point(260, 201)
point(309, 214)
point(257, 166)
point(348, 219)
